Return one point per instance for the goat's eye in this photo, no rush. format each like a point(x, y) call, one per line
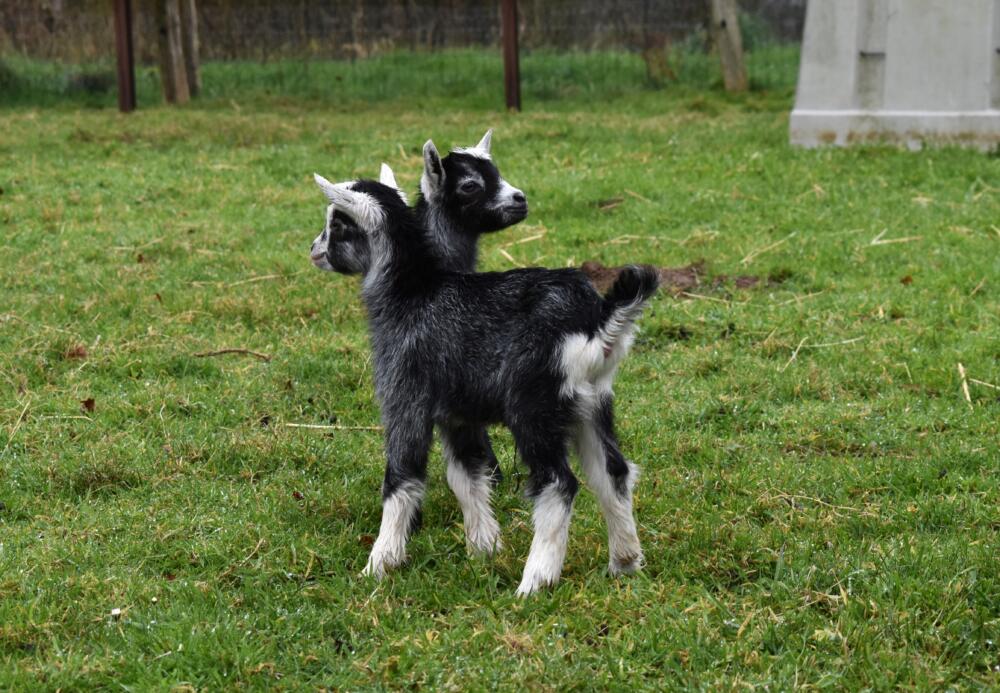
point(469, 187)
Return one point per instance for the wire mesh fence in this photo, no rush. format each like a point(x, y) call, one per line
point(63, 49)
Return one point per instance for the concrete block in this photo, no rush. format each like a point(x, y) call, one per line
point(904, 71)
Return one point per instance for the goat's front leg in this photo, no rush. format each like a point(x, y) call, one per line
point(553, 488)
point(472, 471)
point(407, 441)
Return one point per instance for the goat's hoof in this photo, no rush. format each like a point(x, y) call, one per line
point(484, 547)
point(372, 571)
point(524, 591)
point(625, 565)
point(533, 583)
point(378, 566)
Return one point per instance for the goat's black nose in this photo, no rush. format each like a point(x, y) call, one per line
point(519, 198)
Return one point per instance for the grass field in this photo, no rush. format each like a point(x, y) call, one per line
point(819, 500)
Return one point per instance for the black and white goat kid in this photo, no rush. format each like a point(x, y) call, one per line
point(462, 196)
point(535, 349)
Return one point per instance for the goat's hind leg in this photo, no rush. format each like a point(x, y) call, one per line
point(553, 488)
point(472, 470)
point(611, 477)
point(407, 441)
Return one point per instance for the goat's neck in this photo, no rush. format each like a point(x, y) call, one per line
point(404, 270)
point(455, 246)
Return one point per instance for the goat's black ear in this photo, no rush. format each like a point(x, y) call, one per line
point(432, 180)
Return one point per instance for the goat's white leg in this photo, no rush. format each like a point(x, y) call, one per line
point(552, 488)
point(407, 441)
point(553, 507)
point(471, 479)
point(611, 477)
point(400, 511)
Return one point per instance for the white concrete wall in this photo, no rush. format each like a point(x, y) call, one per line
point(909, 71)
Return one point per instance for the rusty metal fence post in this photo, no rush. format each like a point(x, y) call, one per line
point(125, 55)
point(511, 66)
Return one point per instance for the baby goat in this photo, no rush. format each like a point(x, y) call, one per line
point(535, 349)
point(462, 196)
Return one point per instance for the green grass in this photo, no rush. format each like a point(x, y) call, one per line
point(474, 77)
point(828, 520)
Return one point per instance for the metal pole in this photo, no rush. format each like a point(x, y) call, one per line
point(125, 56)
point(511, 68)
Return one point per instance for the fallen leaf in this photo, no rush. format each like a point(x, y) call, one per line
point(88, 404)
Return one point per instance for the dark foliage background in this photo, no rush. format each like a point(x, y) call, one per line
point(81, 30)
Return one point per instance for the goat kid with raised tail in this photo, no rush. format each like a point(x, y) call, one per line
point(462, 196)
point(535, 349)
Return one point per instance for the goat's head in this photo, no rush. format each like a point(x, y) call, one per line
point(467, 186)
point(349, 218)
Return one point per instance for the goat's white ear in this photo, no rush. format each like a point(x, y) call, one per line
point(359, 206)
point(486, 142)
point(337, 193)
point(433, 178)
point(387, 177)
point(328, 188)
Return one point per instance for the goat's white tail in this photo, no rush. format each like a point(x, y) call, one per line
point(624, 302)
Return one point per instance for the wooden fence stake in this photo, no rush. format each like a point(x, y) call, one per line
point(725, 28)
point(190, 45)
point(125, 55)
point(511, 66)
point(173, 75)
